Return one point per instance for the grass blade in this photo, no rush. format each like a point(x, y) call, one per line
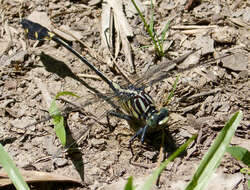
point(163, 34)
point(63, 93)
point(140, 14)
point(215, 153)
point(58, 119)
point(151, 24)
point(171, 94)
point(153, 178)
point(245, 171)
point(147, 28)
point(129, 184)
point(240, 153)
point(12, 170)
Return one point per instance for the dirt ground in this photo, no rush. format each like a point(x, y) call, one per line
point(207, 95)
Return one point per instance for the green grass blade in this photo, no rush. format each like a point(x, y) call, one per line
point(171, 94)
point(215, 153)
point(164, 34)
point(141, 16)
point(58, 119)
point(147, 28)
point(12, 170)
point(151, 24)
point(245, 171)
point(63, 93)
point(129, 184)
point(240, 153)
point(153, 178)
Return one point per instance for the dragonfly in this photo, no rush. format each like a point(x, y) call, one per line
point(137, 105)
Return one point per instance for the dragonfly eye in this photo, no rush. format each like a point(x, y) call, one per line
point(153, 120)
point(163, 116)
point(158, 118)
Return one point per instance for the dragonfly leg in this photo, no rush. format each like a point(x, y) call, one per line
point(140, 131)
point(143, 133)
point(120, 115)
point(116, 114)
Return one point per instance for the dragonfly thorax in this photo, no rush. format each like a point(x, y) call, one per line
point(140, 105)
point(137, 104)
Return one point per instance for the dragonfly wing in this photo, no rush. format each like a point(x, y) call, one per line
point(159, 72)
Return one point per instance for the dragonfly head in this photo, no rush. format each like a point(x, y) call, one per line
point(158, 118)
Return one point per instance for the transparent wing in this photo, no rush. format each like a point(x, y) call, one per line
point(167, 69)
point(157, 73)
